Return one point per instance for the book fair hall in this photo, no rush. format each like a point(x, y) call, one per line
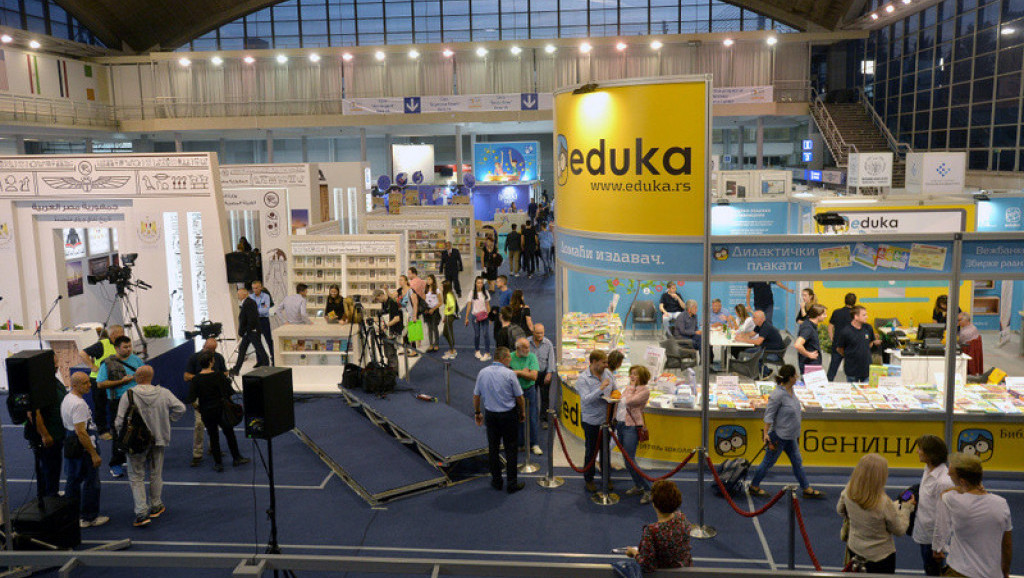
point(502, 288)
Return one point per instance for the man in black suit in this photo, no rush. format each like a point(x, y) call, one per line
point(249, 331)
point(451, 265)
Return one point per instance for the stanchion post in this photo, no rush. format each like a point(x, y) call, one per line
point(550, 480)
point(606, 497)
point(405, 358)
point(527, 467)
point(448, 382)
point(792, 528)
point(701, 531)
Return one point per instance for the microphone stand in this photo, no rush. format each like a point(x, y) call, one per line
point(39, 330)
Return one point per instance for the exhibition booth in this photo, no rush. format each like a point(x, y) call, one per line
point(896, 255)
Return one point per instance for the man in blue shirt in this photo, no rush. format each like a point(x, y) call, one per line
point(497, 390)
point(592, 386)
point(765, 336)
point(116, 376)
point(264, 302)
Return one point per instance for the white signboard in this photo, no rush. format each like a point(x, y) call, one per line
point(870, 170)
point(412, 159)
point(107, 176)
point(741, 94)
point(924, 221)
point(244, 176)
point(343, 248)
point(654, 358)
point(99, 240)
point(936, 172)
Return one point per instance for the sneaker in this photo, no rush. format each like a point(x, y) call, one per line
point(106, 436)
point(477, 355)
point(240, 461)
point(536, 450)
point(142, 520)
point(513, 488)
point(117, 471)
point(646, 498)
point(634, 491)
point(155, 511)
point(196, 462)
point(446, 355)
point(453, 355)
point(218, 468)
point(485, 357)
point(543, 425)
point(97, 521)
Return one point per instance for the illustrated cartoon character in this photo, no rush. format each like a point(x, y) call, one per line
point(563, 160)
point(976, 442)
point(730, 441)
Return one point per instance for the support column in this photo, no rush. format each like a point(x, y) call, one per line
point(362, 145)
point(88, 146)
point(178, 145)
point(270, 146)
point(19, 144)
point(305, 149)
point(739, 145)
point(472, 149)
point(223, 150)
point(760, 143)
point(458, 154)
point(725, 149)
point(388, 159)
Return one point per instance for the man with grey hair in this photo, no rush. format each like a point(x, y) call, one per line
point(158, 408)
point(524, 365)
point(249, 329)
point(967, 331)
point(191, 369)
point(547, 364)
point(687, 326)
point(497, 391)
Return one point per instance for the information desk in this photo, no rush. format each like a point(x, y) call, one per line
point(828, 438)
point(317, 353)
point(916, 369)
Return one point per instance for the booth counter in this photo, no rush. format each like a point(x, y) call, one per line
point(316, 353)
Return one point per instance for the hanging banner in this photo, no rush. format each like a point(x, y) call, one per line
point(644, 257)
point(621, 169)
point(506, 161)
point(889, 260)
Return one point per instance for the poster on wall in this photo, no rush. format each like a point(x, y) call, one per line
point(99, 241)
point(74, 243)
point(98, 266)
point(300, 220)
point(410, 159)
point(506, 161)
point(73, 272)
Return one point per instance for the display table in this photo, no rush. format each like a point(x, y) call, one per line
point(65, 345)
point(921, 369)
point(317, 353)
point(719, 339)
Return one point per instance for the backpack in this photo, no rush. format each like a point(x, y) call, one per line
point(134, 437)
point(515, 333)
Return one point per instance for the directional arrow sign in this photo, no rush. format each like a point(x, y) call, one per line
point(529, 100)
point(412, 105)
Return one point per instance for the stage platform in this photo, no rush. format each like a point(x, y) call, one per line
point(443, 434)
point(366, 457)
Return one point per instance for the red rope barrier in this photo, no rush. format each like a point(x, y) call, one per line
point(728, 498)
point(565, 450)
point(643, 475)
point(803, 533)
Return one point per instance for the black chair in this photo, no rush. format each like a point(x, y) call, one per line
point(778, 356)
point(748, 363)
point(645, 311)
point(678, 357)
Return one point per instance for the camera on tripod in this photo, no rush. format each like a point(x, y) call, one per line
point(206, 330)
point(120, 276)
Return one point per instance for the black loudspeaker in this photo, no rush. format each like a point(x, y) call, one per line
point(267, 397)
point(238, 267)
point(30, 377)
point(56, 524)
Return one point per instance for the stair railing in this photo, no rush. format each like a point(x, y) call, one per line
point(837, 145)
point(900, 149)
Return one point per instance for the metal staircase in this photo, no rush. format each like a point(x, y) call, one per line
point(857, 128)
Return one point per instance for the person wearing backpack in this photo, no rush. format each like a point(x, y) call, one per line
point(210, 389)
point(116, 376)
point(157, 407)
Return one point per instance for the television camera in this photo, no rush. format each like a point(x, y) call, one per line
point(206, 330)
point(120, 276)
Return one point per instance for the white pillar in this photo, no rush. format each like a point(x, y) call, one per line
point(458, 154)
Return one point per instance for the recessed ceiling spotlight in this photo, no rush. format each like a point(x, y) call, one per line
point(906, 1)
point(481, 52)
point(656, 45)
point(314, 57)
point(550, 49)
point(6, 39)
point(34, 44)
point(890, 8)
point(414, 54)
point(448, 52)
point(281, 59)
point(515, 50)
point(347, 57)
point(217, 61)
point(728, 42)
point(1007, 31)
point(620, 46)
point(772, 40)
point(248, 60)
point(585, 47)
point(379, 55)
point(184, 61)
point(874, 16)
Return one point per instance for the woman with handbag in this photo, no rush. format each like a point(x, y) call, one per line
point(432, 318)
point(213, 391)
point(630, 428)
point(873, 518)
point(410, 302)
point(478, 308)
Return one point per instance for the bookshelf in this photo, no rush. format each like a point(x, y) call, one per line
point(358, 264)
point(423, 238)
point(461, 228)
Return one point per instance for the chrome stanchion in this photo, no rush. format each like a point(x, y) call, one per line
point(448, 382)
point(527, 467)
point(550, 480)
point(701, 531)
point(792, 528)
point(405, 347)
point(606, 497)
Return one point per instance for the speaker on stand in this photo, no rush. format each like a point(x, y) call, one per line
point(267, 396)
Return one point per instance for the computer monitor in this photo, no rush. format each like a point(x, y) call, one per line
point(927, 331)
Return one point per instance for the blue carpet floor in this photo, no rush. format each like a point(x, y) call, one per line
point(319, 514)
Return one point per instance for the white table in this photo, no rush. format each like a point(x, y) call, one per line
point(65, 345)
point(315, 370)
point(718, 339)
point(921, 369)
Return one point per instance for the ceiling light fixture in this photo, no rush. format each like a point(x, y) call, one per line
point(656, 45)
point(347, 57)
point(550, 49)
point(6, 39)
point(890, 8)
point(771, 40)
point(34, 44)
point(248, 60)
point(217, 61)
point(515, 50)
point(874, 16)
point(620, 46)
point(1007, 31)
point(379, 55)
point(184, 61)
point(481, 52)
point(448, 52)
point(314, 57)
point(414, 54)
point(728, 42)
point(281, 59)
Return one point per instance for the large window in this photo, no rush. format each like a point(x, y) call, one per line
point(304, 23)
point(44, 17)
point(958, 63)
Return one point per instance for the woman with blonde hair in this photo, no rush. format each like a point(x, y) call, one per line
point(807, 300)
point(873, 518)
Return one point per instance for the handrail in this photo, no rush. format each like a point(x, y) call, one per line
point(19, 108)
point(900, 148)
point(833, 138)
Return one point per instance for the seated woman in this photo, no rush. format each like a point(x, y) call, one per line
point(665, 543)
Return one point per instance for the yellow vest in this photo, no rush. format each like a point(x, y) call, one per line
point(108, 350)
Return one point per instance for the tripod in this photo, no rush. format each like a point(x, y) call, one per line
point(121, 298)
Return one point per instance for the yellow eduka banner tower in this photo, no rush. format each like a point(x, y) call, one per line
point(631, 156)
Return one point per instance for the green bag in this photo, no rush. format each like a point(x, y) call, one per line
point(415, 330)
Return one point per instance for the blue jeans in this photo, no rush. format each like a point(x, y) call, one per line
point(932, 567)
point(532, 407)
point(481, 333)
point(630, 440)
point(792, 449)
point(83, 486)
point(591, 449)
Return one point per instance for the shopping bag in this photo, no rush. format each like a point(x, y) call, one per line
point(415, 330)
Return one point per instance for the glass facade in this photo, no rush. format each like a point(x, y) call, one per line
point(318, 23)
point(44, 17)
point(949, 78)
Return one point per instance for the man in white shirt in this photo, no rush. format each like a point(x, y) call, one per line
point(935, 480)
point(293, 309)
